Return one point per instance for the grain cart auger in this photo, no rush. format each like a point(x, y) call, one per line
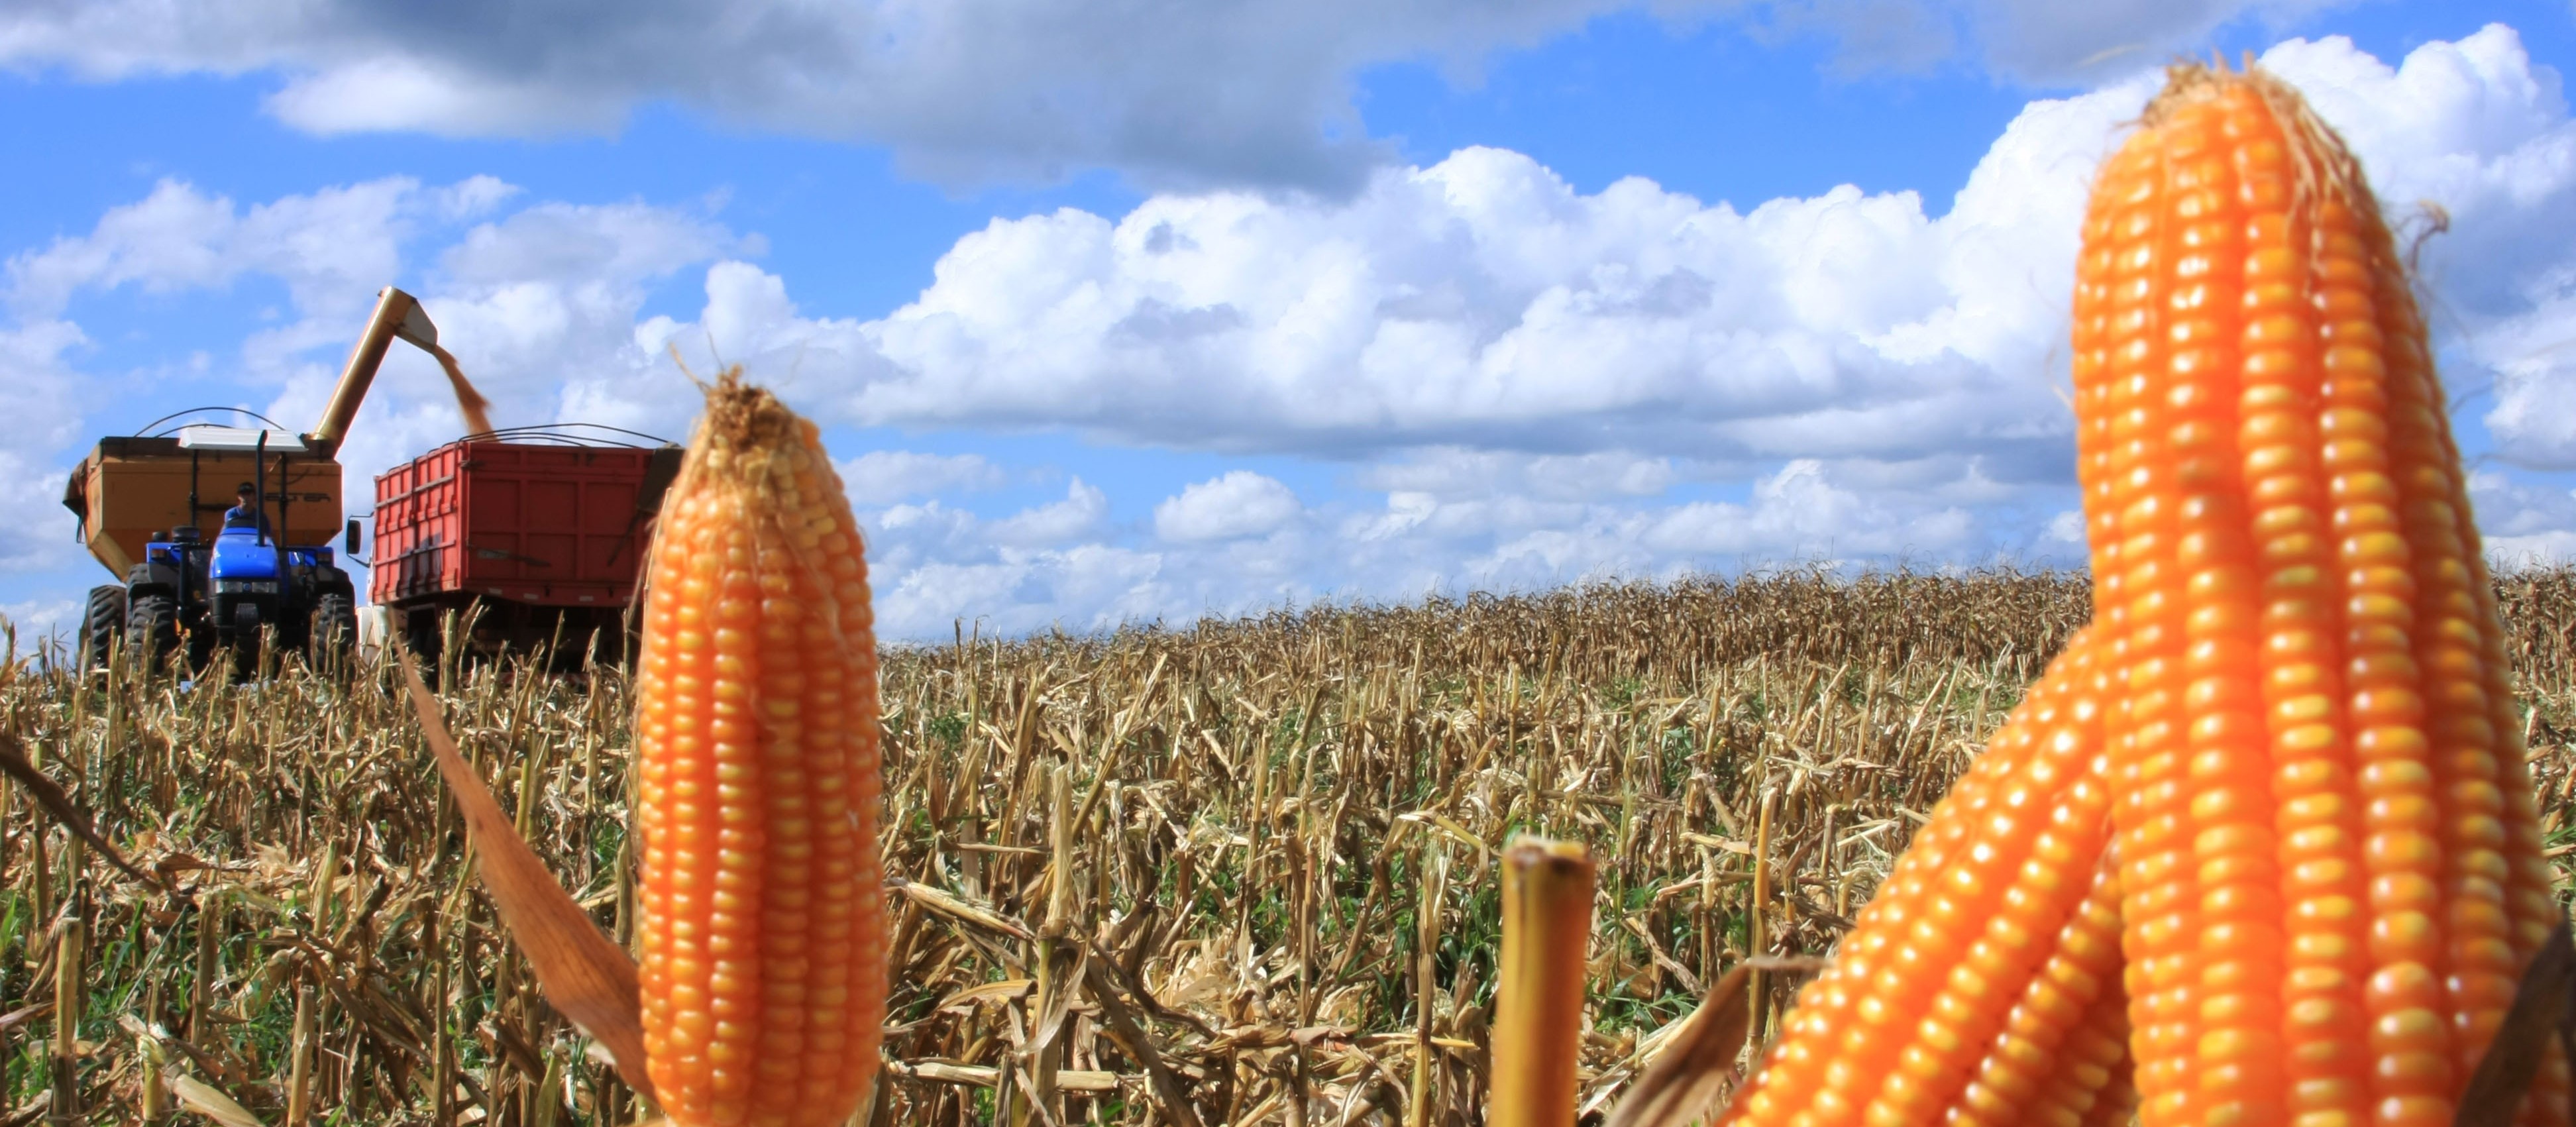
point(221, 533)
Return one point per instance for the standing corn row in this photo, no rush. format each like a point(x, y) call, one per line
point(763, 919)
point(2331, 871)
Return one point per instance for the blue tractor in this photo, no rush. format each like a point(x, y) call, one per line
point(207, 594)
point(200, 575)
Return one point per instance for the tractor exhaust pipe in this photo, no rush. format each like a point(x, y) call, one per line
point(397, 314)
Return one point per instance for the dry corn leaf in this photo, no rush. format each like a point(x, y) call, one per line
point(1007, 990)
point(209, 1101)
point(587, 978)
point(50, 796)
point(1682, 1083)
point(958, 909)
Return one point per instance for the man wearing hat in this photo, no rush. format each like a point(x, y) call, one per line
point(246, 512)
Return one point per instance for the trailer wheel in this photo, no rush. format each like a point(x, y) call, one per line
point(151, 627)
point(100, 624)
point(334, 629)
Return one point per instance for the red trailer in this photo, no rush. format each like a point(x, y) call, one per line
point(531, 536)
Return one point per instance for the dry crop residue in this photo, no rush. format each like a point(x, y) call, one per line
point(1253, 808)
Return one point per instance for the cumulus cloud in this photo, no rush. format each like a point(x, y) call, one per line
point(330, 247)
point(1523, 384)
point(2051, 42)
point(1240, 503)
point(1506, 358)
point(36, 532)
point(936, 566)
point(884, 476)
point(1254, 93)
point(1484, 303)
point(1463, 472)
point(2525, 523)
point(1080, 514)
point(2036, 42)
point(522, 298)
point(1242, 93)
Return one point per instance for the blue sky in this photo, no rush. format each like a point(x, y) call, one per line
point(1116, 314)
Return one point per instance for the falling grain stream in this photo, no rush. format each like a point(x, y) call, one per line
point(469, 402)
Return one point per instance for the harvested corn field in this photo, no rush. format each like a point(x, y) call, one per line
point(1268, 825)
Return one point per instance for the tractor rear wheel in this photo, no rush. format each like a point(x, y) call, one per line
point(152, 628)
point(333, 633)
point(100, 625)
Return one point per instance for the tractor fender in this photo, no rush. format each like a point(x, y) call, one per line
point(329, 580)
point(155, 576)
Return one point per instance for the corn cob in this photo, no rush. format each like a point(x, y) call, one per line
point(2070, 1028)
point(2330, 868)
point(1807, 1046)
point(2116, 1104)
point(762, 969)
point(1911, 1011)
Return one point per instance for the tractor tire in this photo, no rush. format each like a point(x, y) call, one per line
point(100, 625)
point(332, 634)
point(152, 628)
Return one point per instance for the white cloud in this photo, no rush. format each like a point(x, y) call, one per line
point(1253, 93)
point(523, 301)
point(1243, 93)
point(934, 565)
point(2524, 523)
point(331, 248)
point(539, 307)
point(549, 290)
point(1525, 370)
point(1484, 303)
point(1460, 472)
point(1240, 503)
point(1526, 384)
point(883, 476)
point(1053, 525)
point(44, 405)
point(1800, 509)
point(35, 624)
point(2053, 41)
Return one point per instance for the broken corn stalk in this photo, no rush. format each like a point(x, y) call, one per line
point(1538, 995)
point(763, 923)
point(2331, 867)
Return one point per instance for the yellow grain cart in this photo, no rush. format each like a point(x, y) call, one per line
point(217, 533)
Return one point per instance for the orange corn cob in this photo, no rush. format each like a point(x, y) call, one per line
point(2330, 865)
point(763, 965)
point(1896, 1029)
point(2116, 1105)
point(2068, 1031)
point(1807, 1045)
